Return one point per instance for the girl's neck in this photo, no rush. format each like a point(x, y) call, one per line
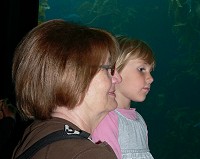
point(124, 107)
point(123, 102)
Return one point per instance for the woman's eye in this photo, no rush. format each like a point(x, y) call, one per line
point(109, 68)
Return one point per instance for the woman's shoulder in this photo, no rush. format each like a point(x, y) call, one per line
point(77, 149)
point(98, 151)
point(62, 149)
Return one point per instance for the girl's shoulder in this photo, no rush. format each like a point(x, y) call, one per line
point(131, 113)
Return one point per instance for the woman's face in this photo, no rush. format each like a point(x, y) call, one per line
point(100, 97)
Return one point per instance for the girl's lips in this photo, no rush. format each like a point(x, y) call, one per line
point(146, 89)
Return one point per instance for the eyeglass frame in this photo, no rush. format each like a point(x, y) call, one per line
point(109, 67)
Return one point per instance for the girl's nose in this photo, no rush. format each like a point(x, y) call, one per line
point(116, 78)
point(150, 79)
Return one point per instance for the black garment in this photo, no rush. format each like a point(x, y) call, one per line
point(11, 131)
point(7, 127)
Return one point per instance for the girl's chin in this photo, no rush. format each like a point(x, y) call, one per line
point(140, 100)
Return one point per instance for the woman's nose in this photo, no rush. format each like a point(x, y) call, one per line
point(116, 78)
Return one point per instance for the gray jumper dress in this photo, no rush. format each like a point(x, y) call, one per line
point(133, 137)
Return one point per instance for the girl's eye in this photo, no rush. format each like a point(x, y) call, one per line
point(141, 69)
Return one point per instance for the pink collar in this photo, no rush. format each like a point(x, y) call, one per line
point(129, 113)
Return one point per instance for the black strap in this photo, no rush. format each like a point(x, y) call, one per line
point(55, 136)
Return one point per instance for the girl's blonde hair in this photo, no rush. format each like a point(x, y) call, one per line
point(133, 49)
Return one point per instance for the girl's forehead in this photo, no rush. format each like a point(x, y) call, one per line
point(137, 60)
point(140, 61)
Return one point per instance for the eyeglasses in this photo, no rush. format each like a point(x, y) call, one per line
point(109, 68)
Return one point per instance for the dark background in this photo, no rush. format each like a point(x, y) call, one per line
point(18, 17)
point(172, 108)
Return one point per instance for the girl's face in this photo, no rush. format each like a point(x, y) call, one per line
point(136, 82)
point(100, 96)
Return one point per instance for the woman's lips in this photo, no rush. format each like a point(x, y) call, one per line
point(112, 93)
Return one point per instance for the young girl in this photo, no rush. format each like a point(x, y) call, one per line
point(124, 128)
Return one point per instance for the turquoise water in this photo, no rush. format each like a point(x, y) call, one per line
point(172, 28)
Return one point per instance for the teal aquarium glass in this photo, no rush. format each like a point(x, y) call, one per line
point(172, 29)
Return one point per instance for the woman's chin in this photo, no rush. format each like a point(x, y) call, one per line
point(113, 105)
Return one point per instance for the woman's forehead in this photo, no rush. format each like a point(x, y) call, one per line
point(108, 58)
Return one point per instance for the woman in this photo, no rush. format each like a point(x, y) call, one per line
point(65, 79)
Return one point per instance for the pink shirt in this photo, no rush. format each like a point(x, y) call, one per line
point(107, 130)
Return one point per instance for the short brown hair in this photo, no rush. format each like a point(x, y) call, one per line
point(54, 64)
